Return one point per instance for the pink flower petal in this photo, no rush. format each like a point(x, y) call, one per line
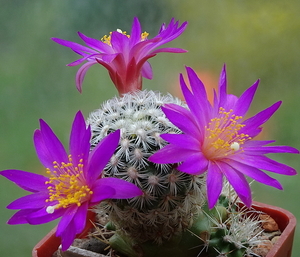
point(80, 217)
point(81, 74)
point(239, 183)
point(68, 236)
point(47, 140)
point(96, 44)
point(79, 140)
point(255, 173)
point(67, 217)
point(265, 163)
point(33, 201)
point(170, 154)
point(101, 154)
point(214, 183)
point(245, 100)
point(194, 164)
point(29, 181)
point(20, 217)
point(252, 125)
point(121, 189)
point(182, 141)
point(182, 119)
point(42, 216)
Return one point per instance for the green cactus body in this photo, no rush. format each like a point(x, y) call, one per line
point(214, 233)
point(171, 198)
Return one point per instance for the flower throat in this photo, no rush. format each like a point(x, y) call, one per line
point(222, 135)
point(66, 185)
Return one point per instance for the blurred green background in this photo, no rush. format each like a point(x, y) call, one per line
point(256, 39)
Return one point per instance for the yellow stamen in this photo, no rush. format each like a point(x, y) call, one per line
point(144, 36)
point(107, 39)
point(222, 135)
point(67, 185)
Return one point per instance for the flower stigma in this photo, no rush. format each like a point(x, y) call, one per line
point(222, 135)
point(67, 185)
point(235, 146)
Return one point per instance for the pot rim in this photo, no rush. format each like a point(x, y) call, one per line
point(285, 220)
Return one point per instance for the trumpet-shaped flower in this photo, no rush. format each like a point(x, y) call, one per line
point(217, 139)
point(124, 56)
point(74, 181)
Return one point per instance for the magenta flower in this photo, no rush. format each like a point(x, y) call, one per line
point(124, 56)
point(218, 139)
point(74, 183)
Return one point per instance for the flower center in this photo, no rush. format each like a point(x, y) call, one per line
point(107, 39)
point(222, 136)
point(66, 185)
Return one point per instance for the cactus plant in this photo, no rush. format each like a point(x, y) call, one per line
point(178, 154)
point(175, 173)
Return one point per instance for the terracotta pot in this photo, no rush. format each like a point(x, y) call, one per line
point(282, 248)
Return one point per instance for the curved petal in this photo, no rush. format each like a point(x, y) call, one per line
point(66, 218)
point(194, 164)
point(101, 155)
point(81, 74)
point(33, 201)
point(41, 216)
point(214, 183)
point(169, 50)
point(243, 103)
point(223, 88)
point(170, 154)
point(55, 148)
point(29, 181)
point(80, 217)
point(135, 34)
point(255, 174)
point(143, 48)
point(20, 217)
point(119, 42)
point(101, 192)
point(42, 150)
point(182, 119)
point(197, 85)
point(147, 70)
point(270, 149)
point(96, 44)
point(170, 32)
point(68, 236)
point(79, 139)
point(182, 141)
point(198, 103)
point(77, 62)
point(74, 46)
point(257, 143)
point(121, 189)
point(238, 182)
point(265, 163)
point(252, 125)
